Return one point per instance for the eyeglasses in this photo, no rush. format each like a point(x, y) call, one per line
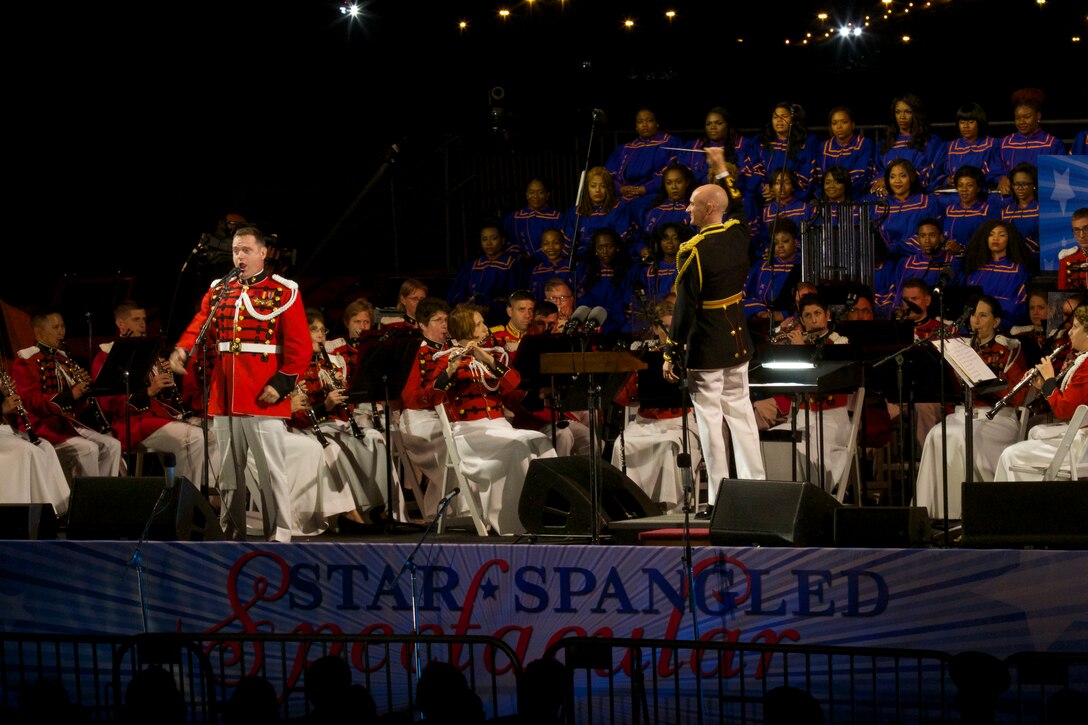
point(1078, 231)
point(558, 298)
point(320, 330)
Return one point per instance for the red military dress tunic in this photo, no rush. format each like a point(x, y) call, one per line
point(38, 373)
point(146, 414)
point(262, 338)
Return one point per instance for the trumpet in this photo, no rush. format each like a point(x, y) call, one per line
point(1024, 381)
point(7, 385)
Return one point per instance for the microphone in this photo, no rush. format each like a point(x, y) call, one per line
point(599, 115)
point(597, 316)
point(577, 319)
point(449, 497)
point(169, 460)
point(945, 278)
point(915, 309)
point(963, 319)
point(233, 274)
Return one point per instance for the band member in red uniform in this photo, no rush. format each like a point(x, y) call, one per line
point(1073, 261)
point(473, 382)
point(990, 437)
point(519, 308)
point(710, 337)
point(259, 325)
point(53, 390)
point(154, 413)
point(420, 431)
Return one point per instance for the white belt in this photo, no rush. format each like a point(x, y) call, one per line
point(258, 347)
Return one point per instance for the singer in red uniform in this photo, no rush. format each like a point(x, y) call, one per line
point(708, 327)
point(258, 324)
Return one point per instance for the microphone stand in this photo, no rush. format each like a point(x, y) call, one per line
point(410, 566)
point(204, 387)
point(577, 204)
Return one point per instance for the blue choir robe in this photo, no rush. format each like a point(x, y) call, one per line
point(980, 153)
point(960, 223)
point(658, 276)
point(799, 210)
point(766, 282)
point(489, 282)
point(546, 270)
point(524, 227)
point(761, 161)
point(919, 266)
point(927, 162)
point(696, 158)
point(1005, 281)
point(665, 213)
point(639, 162)
point(899, 226)
point(613, 294)
point(858, 157)
point(1016, 148)
point(1080, 144)
point(1026, 221)
point(619, 218)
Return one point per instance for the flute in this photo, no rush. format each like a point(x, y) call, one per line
point(1026, 380)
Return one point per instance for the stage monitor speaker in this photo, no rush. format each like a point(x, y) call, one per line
point(882, 527)
point(119, 508)
point(772, 513)
point(1025, 515)
point(556, 498)
point(27, 521)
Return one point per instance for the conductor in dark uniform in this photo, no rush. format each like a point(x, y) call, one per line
point(709, 339)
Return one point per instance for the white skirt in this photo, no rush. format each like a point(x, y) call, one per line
point(649, 448)
point(32, 473)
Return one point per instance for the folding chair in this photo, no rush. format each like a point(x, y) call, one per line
point(853, 465)
point(1055, 471)
point(453, 463)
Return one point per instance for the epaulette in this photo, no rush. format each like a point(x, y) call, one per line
point(28, 352)
point(1068, 251)
point(498, 328)
point(332, 346)
point(289, 284)
point(106, 346)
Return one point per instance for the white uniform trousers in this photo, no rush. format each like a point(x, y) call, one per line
point(990, 438)
point(720, 398)
point(360, 462)
point(495, 457)
point(186, 442)
point(836, 437)
point(31, 473)
point(89, 454)
point(1038, 451)
point(649, 448)
point(264, 438)
point(421, 434)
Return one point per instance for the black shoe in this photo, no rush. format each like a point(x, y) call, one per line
point(347, 527)
point(706, 514)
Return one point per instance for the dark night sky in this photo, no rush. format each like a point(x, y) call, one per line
point(131, 130)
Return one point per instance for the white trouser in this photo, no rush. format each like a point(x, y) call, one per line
point(90, 454)
point(31, 473)
point(721, 396)
point(186, 442)
point(263, 437)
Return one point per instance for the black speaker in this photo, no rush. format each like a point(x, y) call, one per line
point(556, 498)
point(27, 521)
point(119, 508)
point(882, 527)
point(1025, 514)
point(772, 513)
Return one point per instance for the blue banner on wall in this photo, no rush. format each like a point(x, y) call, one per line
point(1063, 188)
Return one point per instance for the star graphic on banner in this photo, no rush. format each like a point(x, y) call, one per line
point(488, 588)
point(12, 610)
point(1063, 190)
point(1025, 586)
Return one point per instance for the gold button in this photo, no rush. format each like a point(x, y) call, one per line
point(732, 332)
point(237, 339)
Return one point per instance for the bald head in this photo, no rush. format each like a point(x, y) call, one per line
point(708, 205)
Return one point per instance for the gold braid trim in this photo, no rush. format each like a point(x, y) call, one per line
point(689, 248)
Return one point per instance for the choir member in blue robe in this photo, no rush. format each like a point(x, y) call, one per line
point(970, 209)
point(636, 166)
point(929, 263)
point(489, 279)
point(906, 206)
point(995, 260)
point(658, 273)
point(717, 133)
point(1080, 144)
point(974, 147)
point(525, 226)
point(1029, 141)
point(768, 280)
point(785, 205)
point(605, 279)
point(783, 143)
point(671, 205)
point(599, 207)
point(556, 263)
point(1022, 209)
point(848, 149)
point(908, 137)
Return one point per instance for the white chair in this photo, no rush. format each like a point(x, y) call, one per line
point(1064, 452)
point(453, 463)
point(853, 465)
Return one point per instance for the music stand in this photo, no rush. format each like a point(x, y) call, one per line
point(958, 298)
point(129, 358)
point(590, 364)
point(384, 363)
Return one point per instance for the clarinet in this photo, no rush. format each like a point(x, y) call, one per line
point(99, 420)
point(315, 426)
point(335, 384)
point(1026, 380)
point(8, 387)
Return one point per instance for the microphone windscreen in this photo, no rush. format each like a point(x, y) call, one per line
point(598, 315)
point(580, 314)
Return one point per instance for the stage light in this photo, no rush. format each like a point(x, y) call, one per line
point(351, 9)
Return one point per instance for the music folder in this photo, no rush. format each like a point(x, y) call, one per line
point(130, 357)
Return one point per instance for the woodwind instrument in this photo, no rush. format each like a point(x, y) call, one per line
point(334, 383)
point(8, 386)
point(315, 426)
point(98, 420)
point(170, 396)
point(784, 330)
point(1026, 380)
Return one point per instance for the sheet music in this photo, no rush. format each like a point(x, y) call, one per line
point(965, 361)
